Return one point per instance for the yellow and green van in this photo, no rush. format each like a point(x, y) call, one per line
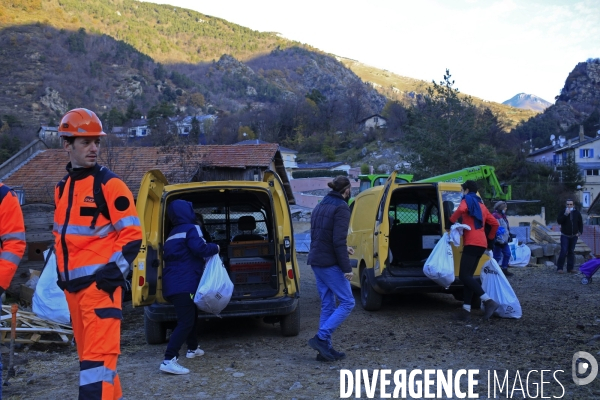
point(250, 221)
point(393, 229)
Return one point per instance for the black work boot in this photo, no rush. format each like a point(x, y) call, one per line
point(490, 306)
point(322, 347)
point(338, 355)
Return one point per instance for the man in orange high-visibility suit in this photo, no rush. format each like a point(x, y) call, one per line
point(12, 241)
point(97, 236)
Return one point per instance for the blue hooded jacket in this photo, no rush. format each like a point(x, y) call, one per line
point(184, 251)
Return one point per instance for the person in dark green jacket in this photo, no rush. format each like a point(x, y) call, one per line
point(571, 227)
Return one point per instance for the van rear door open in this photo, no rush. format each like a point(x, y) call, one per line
point(381, 235)
point(145, 282)
point(285, 233)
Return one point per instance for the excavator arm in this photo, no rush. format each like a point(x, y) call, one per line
point(479, 172)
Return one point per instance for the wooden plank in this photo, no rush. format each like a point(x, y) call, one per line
point(38, 215)
point(39, 237)
point(36, 337)
point(39, 227)
point(29, 341)
point(541, 233)
point(42, 330)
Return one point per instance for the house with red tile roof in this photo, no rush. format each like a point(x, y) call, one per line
point(38, 174)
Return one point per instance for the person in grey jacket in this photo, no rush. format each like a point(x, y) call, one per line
point(328, 257)
point(571, 227)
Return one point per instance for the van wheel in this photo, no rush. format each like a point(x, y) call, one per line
point(290, 324)
point(369, 298)
point(156, 332)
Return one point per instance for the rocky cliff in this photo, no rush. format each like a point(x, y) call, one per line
point(582, 87)
point(578, 104)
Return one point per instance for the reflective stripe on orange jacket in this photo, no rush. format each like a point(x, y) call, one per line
point(82, 251)
point(12, 235)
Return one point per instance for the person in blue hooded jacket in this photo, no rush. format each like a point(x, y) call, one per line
point(183, 257)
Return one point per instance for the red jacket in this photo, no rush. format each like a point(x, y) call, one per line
point(12, 235)
point(475, 237)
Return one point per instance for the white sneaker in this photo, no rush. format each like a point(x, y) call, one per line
point(194, 353)
point(173, 367)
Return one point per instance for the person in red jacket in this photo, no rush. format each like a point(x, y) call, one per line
point(12, 241)
point(97, 236)
point(475, 214)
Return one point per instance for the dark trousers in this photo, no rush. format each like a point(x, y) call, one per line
point(185, 331)
point(468, 264)
point(567, 249)
point(502, 254)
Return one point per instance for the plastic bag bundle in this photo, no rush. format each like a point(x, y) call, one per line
point(522, 256)
point(215, 288)
point(49, 301)
point(512, 245)
point(439, 266)
point(456, 231)
point(495, 285)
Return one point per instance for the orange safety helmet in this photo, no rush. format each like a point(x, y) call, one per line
point(80, 122)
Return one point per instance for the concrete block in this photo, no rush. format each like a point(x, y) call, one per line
point(549, 264)
point(533, 260)
point(548, 249)
point(536, 250)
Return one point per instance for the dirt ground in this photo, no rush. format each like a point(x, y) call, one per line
point(247, 359)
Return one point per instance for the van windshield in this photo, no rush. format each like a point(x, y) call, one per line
point(215, 221)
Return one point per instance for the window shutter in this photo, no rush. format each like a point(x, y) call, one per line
point(591, 153)
point(580, 153)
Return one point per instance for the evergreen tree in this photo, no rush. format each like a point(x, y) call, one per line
point(132, 112)
point(571, 174)
point(195, 131)
point(446, 132)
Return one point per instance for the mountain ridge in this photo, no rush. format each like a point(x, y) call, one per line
point(184, 41)
point(528, 102)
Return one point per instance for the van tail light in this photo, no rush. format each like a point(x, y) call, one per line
point(290, 274)
point(141, 281)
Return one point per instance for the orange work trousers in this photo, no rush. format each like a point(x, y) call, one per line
point(96, 322)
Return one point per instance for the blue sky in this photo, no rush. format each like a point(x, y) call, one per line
point(494, 49)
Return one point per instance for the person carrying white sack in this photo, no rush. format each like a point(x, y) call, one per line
point(183, 256)
point(473, 212)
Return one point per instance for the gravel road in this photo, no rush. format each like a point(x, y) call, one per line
point(248, 359)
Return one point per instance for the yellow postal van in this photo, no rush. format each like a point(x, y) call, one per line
point(251, 223)
point(393, 229)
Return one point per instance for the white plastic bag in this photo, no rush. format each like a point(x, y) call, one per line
point(456, 231)
point(495, 285)
point(439, 266)
point(512, 245)
point(523, 255)
point(215, 288)
point(49, 301)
